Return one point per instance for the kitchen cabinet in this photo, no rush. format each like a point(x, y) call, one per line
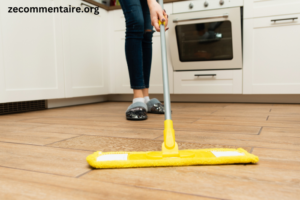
point(31, 62)
point(263, 8)
point(119, 77)
point(271, 55)
point(208, 82)
point(84, 37)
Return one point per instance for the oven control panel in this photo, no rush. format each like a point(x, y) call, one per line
point(199, 5)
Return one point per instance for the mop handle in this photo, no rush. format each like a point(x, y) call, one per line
point(167, 101)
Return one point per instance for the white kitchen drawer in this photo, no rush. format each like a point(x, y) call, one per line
point(224, 82)
point(190, 6)
point(283, 20)
point(263, 8)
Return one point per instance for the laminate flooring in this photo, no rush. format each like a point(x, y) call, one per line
point(42, 153)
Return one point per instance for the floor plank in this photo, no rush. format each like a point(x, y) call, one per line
point(278, 154)
point(226, 182)
point(108, 144)
point(219, 121)
point(14, 126)
point(280, 132)
point(101, 131)
point(241, 140)
point(67, 162)
point(147, 124)
point(33, 137)
point(47, 186)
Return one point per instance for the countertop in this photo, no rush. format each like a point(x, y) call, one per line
point(119, 7)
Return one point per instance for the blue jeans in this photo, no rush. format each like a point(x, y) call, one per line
point(138, 42)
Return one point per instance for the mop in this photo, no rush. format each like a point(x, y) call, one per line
point(170, 155)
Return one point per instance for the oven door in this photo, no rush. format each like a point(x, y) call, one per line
point(206, 40)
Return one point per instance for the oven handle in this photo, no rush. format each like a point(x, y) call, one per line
point(205, 74)
point(199, 18)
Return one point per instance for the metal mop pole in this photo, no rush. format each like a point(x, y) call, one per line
point(167, 101)
point(169, 146)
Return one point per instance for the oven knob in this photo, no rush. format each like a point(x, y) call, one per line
point(191, 6)
point(222, 2)
point(205, 4)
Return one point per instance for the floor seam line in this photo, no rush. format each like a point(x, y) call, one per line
point(157, 137)
point(39, 145)
point(34, 171)
point(259, 132)
point(251, 150)
point(80, 175)
point(62, 140)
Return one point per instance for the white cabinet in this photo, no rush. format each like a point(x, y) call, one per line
point(263, 8)
point(85, 42)
point(208, 82)
point(31, 63)
point(271, 55)
point(119, 77)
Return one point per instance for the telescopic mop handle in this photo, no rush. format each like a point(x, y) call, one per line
point(169, 146)
point(167, 100)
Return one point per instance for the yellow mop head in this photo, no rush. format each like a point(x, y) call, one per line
point(170, 155)
point(142, 159)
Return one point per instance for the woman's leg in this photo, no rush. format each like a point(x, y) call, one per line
point(134, 56)
point(153, 105)
point(147, 48)
point(147, 45)
point(132, 10)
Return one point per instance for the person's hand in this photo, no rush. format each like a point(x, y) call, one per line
point(157, 13)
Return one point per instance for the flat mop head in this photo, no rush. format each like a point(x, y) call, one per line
point(156, 159)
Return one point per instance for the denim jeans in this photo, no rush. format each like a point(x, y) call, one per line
point(138, 42)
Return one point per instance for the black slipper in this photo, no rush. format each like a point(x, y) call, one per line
point(137, 111)
point(155, 106)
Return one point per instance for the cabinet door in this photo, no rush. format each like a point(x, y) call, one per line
point(271, 55)
point(119, 71)
point(119, 75)
point(31, 64)
point(84, 52)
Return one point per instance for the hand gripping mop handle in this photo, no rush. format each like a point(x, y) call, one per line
point(169, 147)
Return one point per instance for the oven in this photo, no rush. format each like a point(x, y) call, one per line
point(206, 40)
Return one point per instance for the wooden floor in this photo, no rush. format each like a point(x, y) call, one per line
point(42, 153)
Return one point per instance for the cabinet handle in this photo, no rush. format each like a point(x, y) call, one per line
point(209, 17)
point(205, 74)
point(275, 20)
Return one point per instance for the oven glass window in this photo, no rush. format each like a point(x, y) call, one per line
point(205, 41)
